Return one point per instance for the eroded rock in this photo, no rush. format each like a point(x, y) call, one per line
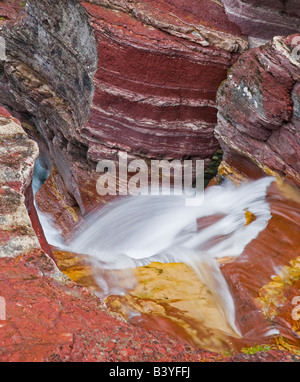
point(258, 119)
point(48, 317)
point(264, 19)
point(18, 155)
point(149, 71)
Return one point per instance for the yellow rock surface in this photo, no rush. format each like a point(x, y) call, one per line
point(168, 297)
point(276, 301)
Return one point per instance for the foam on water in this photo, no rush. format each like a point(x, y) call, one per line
point(135, 231)
point(138, 230)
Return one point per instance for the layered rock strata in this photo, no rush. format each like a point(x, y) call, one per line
point(18, 155)
point(264, 19)
point(259, 116)
point(160, 65)
point(47, 75)
point(258, 129)
point(44, 315)
point(107, 77)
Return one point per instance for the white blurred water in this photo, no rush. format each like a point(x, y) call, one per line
point(137, 230)
point(141, 229)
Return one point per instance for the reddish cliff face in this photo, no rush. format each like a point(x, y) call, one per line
point(264, 280)
point(47, 317)
point(143, 80)
point(258, 119)
point(258, 128)
point(159, 66)
point(118, 76)
point(264, 19)
point(9, 10)
point(18, 155)
point(47, 75)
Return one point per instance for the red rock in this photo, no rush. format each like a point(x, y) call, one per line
point(258, 115)
point(53, 196)
point(274, 248)
point(47, 316)
point(155, 86)
point(149, 70)
point(9, 9)
point(262, 259)
point(258, 124)
point(17, 161)
point(29, 202)
point(264, 19)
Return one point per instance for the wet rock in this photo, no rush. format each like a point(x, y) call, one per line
point(9, 10)
point(258, 118)
point(263, 280)
point(264, 19)
point(259, 278)
point(50, 318)
point(258, 128)
point(103, 77)
point(18, 155)
point(47, 316)
point(54, 198)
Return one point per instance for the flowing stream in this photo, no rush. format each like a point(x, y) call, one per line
point(136, 231)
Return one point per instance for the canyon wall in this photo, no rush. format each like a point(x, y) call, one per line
point(107, 77)
point(47, 76)
point(264, 19)
point(103, 77)
point(46, 316)
point(18, 156)
point(259, 132)
point(258, 119)
point(160, 64)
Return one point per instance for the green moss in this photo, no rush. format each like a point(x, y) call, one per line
point(230, 353)
point(257, 348)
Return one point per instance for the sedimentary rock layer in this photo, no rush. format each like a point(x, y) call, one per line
point(159, 68)
point(264, 19)
point(44, 315)
point(259, 115)
point(47, 75)
point(149, 70)
point(9, 9)
point(17, 158)
point(264, 306)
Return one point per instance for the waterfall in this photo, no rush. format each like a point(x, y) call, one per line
point(135, 231)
